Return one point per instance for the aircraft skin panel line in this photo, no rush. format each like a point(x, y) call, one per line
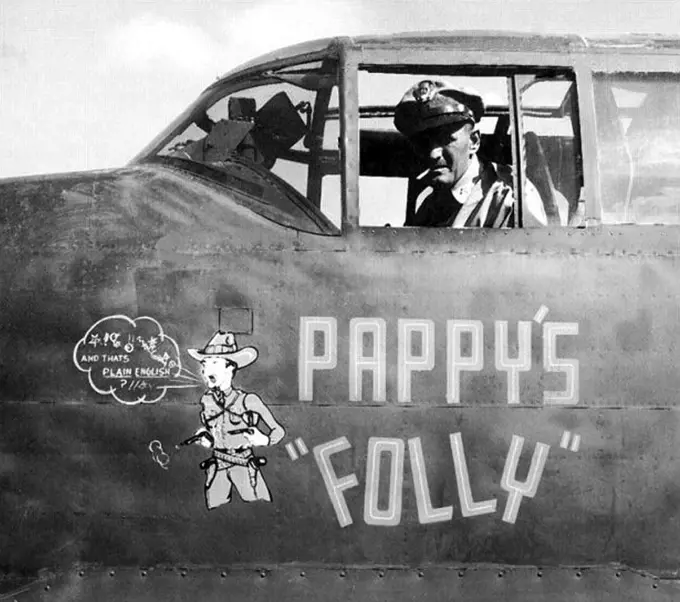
point(374, 318)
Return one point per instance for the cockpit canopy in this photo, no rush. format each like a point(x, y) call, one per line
point(308, 140)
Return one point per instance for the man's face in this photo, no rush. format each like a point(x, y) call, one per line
point(217, 373)
point(448, 150)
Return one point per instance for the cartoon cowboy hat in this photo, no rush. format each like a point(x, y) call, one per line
point(223, 344)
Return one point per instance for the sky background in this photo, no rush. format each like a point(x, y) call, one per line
point(85, 84)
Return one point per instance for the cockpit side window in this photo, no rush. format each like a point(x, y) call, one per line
point(407, 180)
point(638, 130)
point(264, 137)
point(550, 128)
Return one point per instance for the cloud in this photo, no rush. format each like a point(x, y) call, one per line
point(260, 28)
point(11, 52)
point(148, 42)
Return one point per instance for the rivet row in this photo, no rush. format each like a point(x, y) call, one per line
point(379, 572)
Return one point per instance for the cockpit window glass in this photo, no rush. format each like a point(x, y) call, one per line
point(638, 130)
point(266, 138)
point(407, 178)
point(334, 102)
point(552, 149)
point(393, 175)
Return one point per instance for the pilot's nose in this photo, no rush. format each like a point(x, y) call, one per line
point(436, 156)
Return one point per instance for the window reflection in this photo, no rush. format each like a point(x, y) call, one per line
point(638, 129)
point(272, 132)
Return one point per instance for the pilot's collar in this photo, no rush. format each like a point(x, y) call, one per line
point(463, 187)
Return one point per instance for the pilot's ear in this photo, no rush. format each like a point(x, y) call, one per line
point(475, 140)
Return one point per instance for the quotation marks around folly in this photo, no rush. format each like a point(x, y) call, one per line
point(132, 360)
point(570, 442)
point(297, 450)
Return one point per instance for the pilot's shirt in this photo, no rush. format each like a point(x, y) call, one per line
point(483, 196)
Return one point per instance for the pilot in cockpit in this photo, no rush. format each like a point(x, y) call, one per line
point(461, 189)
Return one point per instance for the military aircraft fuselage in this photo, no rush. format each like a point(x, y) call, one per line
point(474, 413)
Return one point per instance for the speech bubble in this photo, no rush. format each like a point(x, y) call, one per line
point(132, 360)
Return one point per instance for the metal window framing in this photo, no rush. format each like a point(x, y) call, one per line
point(518, 147)
point(588, 130)
point(349, 138)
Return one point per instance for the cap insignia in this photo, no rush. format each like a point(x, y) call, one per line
point(425, 91)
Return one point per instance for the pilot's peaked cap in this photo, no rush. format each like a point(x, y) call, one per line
point(430, 104)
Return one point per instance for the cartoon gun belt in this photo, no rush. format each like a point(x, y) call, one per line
point(234, 458)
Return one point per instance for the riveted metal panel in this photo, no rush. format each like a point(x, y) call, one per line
point(308, 583)
point(80, 484)
point(97, 500)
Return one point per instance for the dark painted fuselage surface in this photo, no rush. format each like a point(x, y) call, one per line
point(394, 480)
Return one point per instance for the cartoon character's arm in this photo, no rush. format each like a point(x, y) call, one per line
point(202, 435)
point(253, 403)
